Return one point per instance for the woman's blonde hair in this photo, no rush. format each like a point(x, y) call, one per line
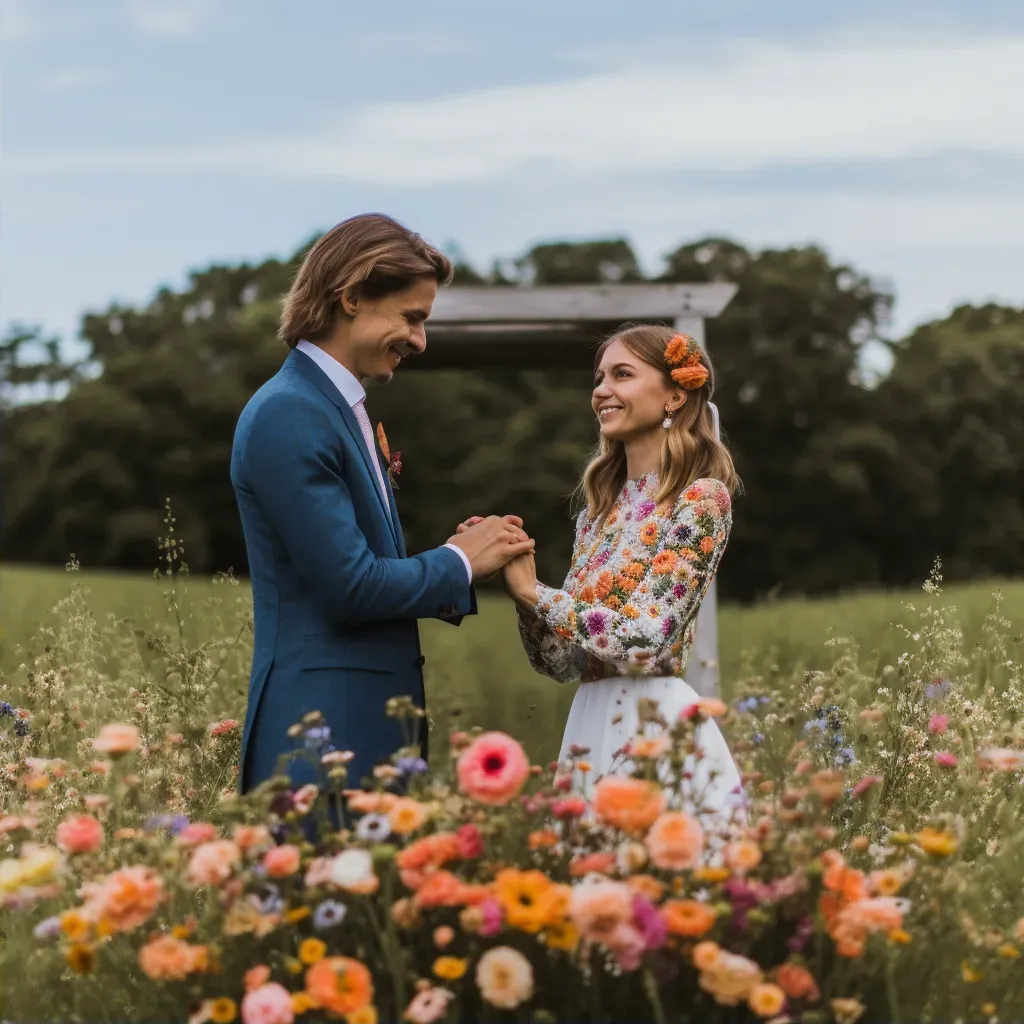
point(690, 450)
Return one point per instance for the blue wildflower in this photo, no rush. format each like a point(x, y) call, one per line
point(6, 710)
point(317, 736)
point(936, 688)
point(268, 900)
point(758, 738)
point(815, 724)
point(172, 823)
point(328, 914)
point(412, 765)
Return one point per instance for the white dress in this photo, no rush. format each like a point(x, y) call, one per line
point(623, 626)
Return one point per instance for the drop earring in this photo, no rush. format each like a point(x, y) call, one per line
point(667, 421)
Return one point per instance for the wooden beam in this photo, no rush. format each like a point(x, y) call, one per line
point(601, 302)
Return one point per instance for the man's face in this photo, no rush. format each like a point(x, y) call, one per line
point(382, 332)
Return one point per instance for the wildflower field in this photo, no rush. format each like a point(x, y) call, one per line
point(875, 875)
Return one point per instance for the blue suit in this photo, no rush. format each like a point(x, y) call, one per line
point(335, 597)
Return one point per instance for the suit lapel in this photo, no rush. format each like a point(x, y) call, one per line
point(308, 369)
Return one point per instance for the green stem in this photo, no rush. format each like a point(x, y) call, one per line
point(890, 988)
point(651, 988)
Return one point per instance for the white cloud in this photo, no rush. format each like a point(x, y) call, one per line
point(174, 19)
point(70, 80)
point(748, 106)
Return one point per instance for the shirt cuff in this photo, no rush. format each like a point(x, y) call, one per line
point(465, 560)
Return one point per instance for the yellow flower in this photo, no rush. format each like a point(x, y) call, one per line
point(179, 931)
point(74, 926)
point(223, 1010)
point(366, 1015)
point(940, 844)
point(561, 935)
point(1008, 951)
point(450, 968)
point(989, 1009)
point(711, 875)
point(899, 937)
point(292, 965)
point(297, 914)
point(81, 958)
point(303, 1002)
point(312, 951)
point(766, 999)
point(969, 974)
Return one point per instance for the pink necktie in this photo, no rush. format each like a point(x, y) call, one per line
point(364, 424)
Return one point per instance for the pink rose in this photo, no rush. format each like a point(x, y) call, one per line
point(281, 861)
point(80, 833)
point(196, 833)
point(268, 1004)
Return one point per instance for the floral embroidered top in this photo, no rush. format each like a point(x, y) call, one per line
point(634, 587)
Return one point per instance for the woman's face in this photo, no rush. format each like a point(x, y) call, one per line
point(630, 396)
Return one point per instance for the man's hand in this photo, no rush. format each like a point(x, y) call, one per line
point(491, 543)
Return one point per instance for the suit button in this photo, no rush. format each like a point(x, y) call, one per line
point(421, 661)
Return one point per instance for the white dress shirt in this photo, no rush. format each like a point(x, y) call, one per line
point(354, 393)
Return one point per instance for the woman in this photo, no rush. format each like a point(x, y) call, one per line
point(648, 544)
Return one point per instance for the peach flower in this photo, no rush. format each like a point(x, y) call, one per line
point(766, 999)
point(688, 918)
point(251, 838)
point(169, 959)
point(212, 863)
point(651, 747)
point(125, 899)
point(116, 740)
point(493, 769)
point(598, 909)
point(730, 978)
point(282, 861)
point(424, 855)
point(742, 856)
point(628, 804)
point(675, 841)
point(79, 833)
point(797, 982)
point(504, 977)
point(406, 815)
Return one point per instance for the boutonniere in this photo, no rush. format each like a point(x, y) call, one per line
point(394, 461)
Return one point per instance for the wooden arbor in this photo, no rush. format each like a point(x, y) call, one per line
point(559, 327)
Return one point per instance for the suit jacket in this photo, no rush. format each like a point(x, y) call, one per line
point(335, 597)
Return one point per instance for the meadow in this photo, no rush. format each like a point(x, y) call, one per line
point(873, 876)
point(480, 669)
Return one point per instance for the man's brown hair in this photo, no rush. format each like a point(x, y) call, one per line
point(371, 253)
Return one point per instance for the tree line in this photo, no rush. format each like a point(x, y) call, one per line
point(850, 481)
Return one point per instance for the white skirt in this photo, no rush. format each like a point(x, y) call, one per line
point(604, 718)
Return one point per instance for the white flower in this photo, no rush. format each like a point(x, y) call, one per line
point(352, 870)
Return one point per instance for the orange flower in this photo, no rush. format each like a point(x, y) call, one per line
point(690, 377)
point(369, 803)
point(635, 570)
point(406, 815)
point(626, 584)
point(425, 854)
point(125, 899)
point(631, 612)
point(169, 959)
point(587, 595)
point(443, 889)
point(631, 805)
point(647, 885)
point(688, 918)
point(707, 545)
point(613, 602)
point(675, 841)
point(766, 999)
point(705, 955)
point(604, 585)
point(649, 534)
point(340, 985)
point(117, 739)
point(523, 896)
point(591, 863)
point(742, 856)
point(664, 562)
point(651, 747)
point(542, 839)
point(677, 348)
point(797, 982)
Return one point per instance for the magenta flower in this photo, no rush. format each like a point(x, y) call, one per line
point(938, 723)
point(946, 759)
point(595, 622)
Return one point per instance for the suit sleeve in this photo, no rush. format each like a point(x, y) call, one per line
point(297, 479)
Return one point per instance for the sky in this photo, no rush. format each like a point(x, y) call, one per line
point(141, 139)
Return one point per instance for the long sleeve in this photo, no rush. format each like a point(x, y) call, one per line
point(550, 651)
point(301, 489)
point(636, 612)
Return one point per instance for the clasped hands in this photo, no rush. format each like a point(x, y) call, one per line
point(500, 543)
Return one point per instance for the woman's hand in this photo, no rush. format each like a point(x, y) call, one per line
point(521, 581)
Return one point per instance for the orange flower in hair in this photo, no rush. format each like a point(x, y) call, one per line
point(690, 377)
point(683, 353)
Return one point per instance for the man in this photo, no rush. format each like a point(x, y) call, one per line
point(335, 597)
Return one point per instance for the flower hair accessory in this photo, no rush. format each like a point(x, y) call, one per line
point(394, 461)
point(683, 355)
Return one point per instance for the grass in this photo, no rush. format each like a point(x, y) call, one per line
point(480, 668)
